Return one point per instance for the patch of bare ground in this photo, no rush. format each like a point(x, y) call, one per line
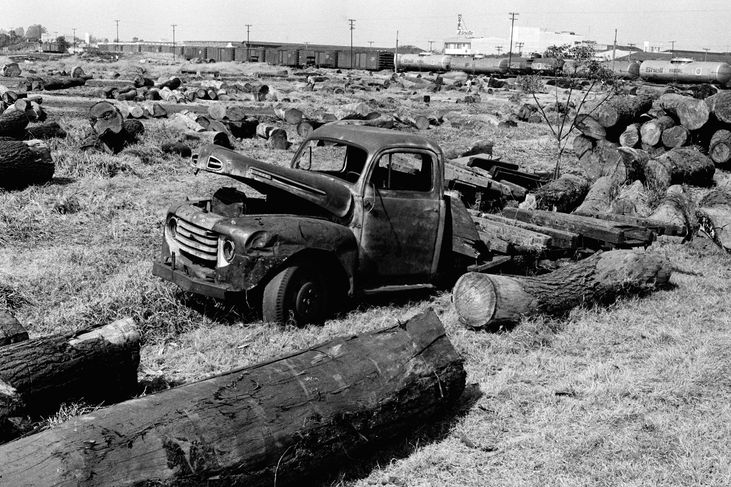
point(634, 394)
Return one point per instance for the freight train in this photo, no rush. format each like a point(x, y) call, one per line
point(679, 70)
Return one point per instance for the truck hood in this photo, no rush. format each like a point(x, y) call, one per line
point(327, 192)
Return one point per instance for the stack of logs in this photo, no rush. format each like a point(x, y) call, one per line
point(25, 158)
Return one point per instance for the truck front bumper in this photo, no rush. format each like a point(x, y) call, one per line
point(193, 284)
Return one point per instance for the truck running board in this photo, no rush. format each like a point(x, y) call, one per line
point(397, 288)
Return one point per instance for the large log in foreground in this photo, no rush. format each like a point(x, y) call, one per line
point(38, 375)
point(486, 301)
point(25, 163)
point(274, 423)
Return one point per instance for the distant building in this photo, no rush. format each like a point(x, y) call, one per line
point(649, 46)
point(526, 40)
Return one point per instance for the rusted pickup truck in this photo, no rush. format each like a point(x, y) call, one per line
point(360, 210)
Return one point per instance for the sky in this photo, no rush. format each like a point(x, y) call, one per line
point(695, 24)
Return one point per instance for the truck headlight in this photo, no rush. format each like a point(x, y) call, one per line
point(228, 249)
point(171, 227)
point(258, 240)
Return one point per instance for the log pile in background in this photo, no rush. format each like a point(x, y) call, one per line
point(369, 389)
point(489, 301)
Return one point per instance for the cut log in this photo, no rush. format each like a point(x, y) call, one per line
point(306, 127)
point(291, 116)
point(720, 106)
point(105, 117)
point(133, 129)
point(237, 113)
point(172, 83)
point(651, 131)
point(154, 110)
point(140, 81)
point(47, 130)
point(11, 331)
point(599, 198)
point(691, 112)
point(25, 163)
point(489, 301)
point(676, 209)
point(244, 128)
point(599, 231)
point(77, 72)
point(632, 200)
point(40, 374)
point(621, 110)
point(275, 423)
point(582, 144)
point(720, 147)
point(677, 136)
point(631, 136)
point(563, 194)
point(11, 70)
point(587, 125)
point(60, 83)
point(684, 165)
point(714, 216)
point(13, 124)
point(217, 111)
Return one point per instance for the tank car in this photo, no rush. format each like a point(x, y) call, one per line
point(685, 71)
point(428, 62)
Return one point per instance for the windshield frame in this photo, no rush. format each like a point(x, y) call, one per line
point(305, 144)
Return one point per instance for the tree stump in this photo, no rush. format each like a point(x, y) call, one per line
point(281, 422)
point(488, 301)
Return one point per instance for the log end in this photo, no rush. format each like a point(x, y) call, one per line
point(474, 298)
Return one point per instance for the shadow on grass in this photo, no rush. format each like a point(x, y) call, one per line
point(61, 181)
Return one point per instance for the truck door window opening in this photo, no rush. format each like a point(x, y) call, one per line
point(403, 171)
point(338, 160)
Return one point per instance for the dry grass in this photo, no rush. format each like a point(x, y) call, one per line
point(637, 394)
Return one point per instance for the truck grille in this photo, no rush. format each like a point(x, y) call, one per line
point(196, 242)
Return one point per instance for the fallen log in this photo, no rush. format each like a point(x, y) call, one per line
point(276, 137)
point(683, 165)
point(178, 148)
point(563, 194)
point(47, 130)
point(676, 209)
point(11, 70)
point(306, 127)
point(282, 422)
point(677, 136)
point(292, 116)
point(38, 375)
point(172, 83)
point(11, 331)
point(691, 112)
point(720, 106)
point(587, 125)
point(720, 147)
point(59, 83)
point(489, 301)
point(632, 200)
point(714, 217)
point(599, 198)
point(651, 131)
point(25, 163)
point(631, 136)
point(621, 110)
point(209, 137)
point(13, 124)
point(105, 117)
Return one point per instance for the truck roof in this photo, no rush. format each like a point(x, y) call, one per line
point(373, 139)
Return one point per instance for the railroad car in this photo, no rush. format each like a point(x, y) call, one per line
point(684, 70)
point(547, 66)
point(420, 62)
point(326, 59)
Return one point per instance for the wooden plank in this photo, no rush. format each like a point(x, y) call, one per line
point(526, 180)
point(509, 239)
point(560, 239)
point(660, 228)
point(464, 233)
point(487, 163)
point(613, 233)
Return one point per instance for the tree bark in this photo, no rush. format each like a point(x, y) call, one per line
point(488, 301)
point(13, 124)
point(25, 163)
point(11, 331)
point(720, 147)
point(651, 131)
point(720, 106)
point(621, 110)
point(677, 136)
point(47, 130)
point(684, 165)
point(58, 83)
point(631, 136)
point(677, 209)
point(691, 112)
point(38, 375)
point(587, 125)
point(563, 194)
point(599, 198)
point(714, 216)
point(275, 423)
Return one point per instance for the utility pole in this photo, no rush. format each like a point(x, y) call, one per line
point(499, 49)
point(370, 43)
point(614, 49)
point(395, 58)
point(74, 29)
point(352, 28)
point(117, 39)
point(430, 44)
point(630, 50)
point(520, 47)
point(248, 28)
point(672, 48)
point(512, 24)
point(705, 55)
point(173, 26)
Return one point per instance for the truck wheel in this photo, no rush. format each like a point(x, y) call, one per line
point(296, 295)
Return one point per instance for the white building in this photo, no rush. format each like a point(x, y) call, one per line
point(526, 40)
point(649, 46)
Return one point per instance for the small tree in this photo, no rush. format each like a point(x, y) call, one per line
point(62, 44)
point(578, 63)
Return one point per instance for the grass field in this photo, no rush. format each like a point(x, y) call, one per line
point(637, 394)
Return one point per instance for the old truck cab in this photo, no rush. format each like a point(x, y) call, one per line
point(359, 209)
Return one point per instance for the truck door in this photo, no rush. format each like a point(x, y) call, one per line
point(402, 213)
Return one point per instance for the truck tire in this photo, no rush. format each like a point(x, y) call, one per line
point(297, 295)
